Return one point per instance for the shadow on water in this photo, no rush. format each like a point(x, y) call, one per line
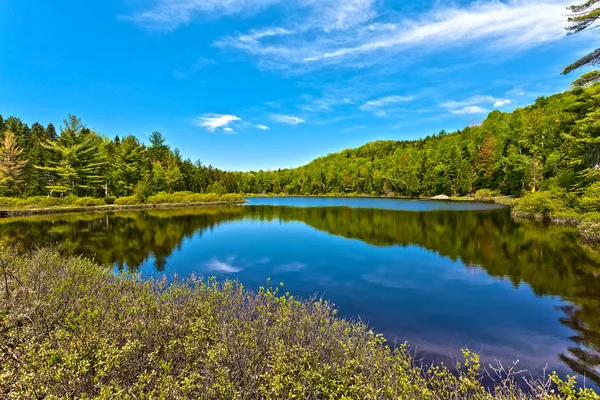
point(547, 258)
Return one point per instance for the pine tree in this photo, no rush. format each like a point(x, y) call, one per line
point(34, 177)
point(11, 168)
point(173, 175)
point(584, 17)
point(79, 158)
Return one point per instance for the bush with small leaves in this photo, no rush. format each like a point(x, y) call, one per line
point(72, 329)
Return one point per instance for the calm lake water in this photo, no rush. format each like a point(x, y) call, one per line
point(440, 275)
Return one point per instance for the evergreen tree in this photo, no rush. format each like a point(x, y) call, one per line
point(584, 17)
point(173, 175)
point(158, 150)
point(80, 157)
point(11, 167)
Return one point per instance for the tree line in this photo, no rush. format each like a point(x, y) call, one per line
point(78, 161)
point(553, 143)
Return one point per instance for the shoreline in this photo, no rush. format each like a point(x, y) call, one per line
point(369, 196)
point(16, 212)
point(589, 229)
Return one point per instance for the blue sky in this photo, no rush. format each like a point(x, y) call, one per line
point(251, 84)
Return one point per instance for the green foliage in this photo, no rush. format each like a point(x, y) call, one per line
point(88, 202)
point(109, 200)
point(554, 144)
point(589, 228)
point(127, 201)
point(583, 17)
point(11, 166)
point(484, 194)
point(71, 329)
point(190, 198)
point(79, 159)
point(590, 199)
point(49, 201)
point(544, 203)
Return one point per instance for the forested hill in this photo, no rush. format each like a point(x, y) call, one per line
point(554, 143)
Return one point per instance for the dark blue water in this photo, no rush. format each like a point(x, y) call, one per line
point(440, 275)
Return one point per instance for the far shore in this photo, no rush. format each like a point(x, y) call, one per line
point(15, 212)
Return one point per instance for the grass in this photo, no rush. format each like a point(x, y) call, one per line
point(72, 329)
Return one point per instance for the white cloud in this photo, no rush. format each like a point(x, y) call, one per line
point(473, 105)
point(328, 14)
point(213, 122)
point(385, 101)
point(169, 14)
point(287, 119)
point(501, 103)
point(478, 99)
point(325, 103)
point(518, 91)
point(345, 31)
point(262, 127)
point(470, 110)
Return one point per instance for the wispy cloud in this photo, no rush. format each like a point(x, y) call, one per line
point(494, 25)
point(287, 119)
point(214, 122)
point(474, 104)
point(170, 14)
point(384, 101)
point(501, 103)
point(262, 127)
point(327, 14)
point(470, 110)
point(198, 65)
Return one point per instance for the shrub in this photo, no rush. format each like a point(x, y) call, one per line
point(71, 329)
point(543, 204)
point(143, 190)
point(109, 200)
point(232, 198)
point(88, 202)
point(590, 200)
point(484, 194)
point(9, 201)
point(589, 228)
point(47, 201)
point(127, 201)
point(189, 198)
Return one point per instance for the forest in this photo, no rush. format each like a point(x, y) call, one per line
point(551, 146)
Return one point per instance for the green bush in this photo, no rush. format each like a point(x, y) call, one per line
point(71, 329)
point(88, 202)
point(9, 202)
point(484, 194)
point(589, 228)
point(109, 200)
point(543, 204)
point(232, 198)
point(189, 198)
point(127, 201)
point(590, 200)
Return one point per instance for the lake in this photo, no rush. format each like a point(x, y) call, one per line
point(440, 275)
